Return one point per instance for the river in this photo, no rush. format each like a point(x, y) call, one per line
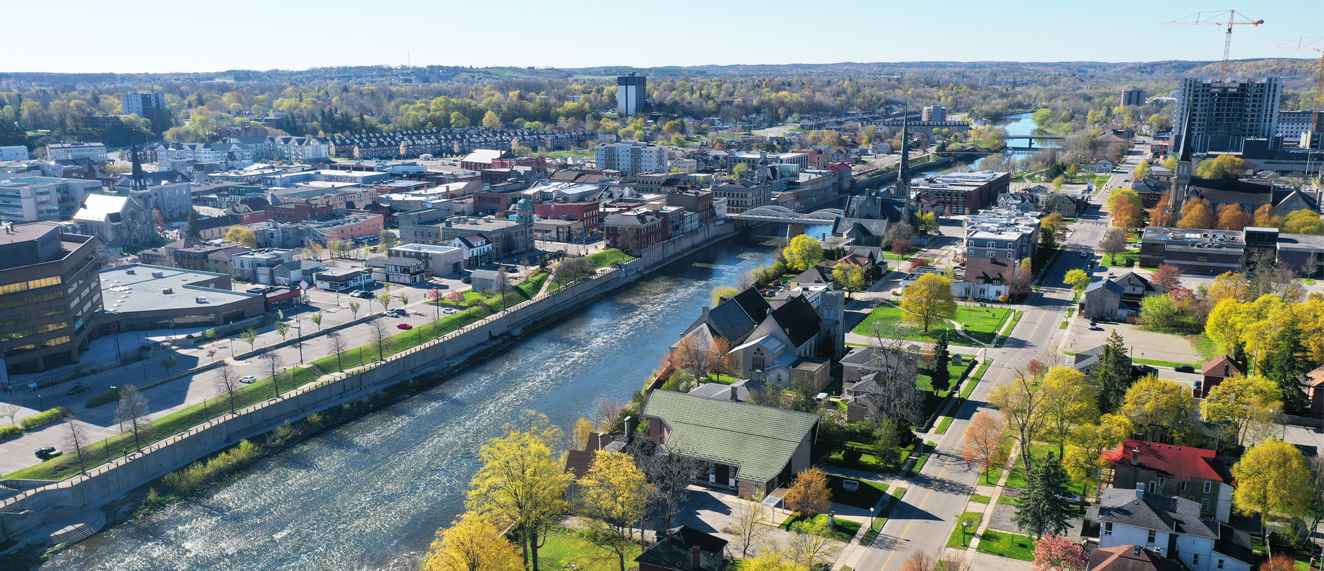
point(371, 493)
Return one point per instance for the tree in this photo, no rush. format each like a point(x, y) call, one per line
point(572, 270)
point(1274, 481)
point(1167, 276)
point(1196, 214)
point(809, 494)
point(720, 359)
point(192, 229)
point(1078, 280)
point(520, 482)
point(471, 543)
point(1142, 170)
point(927, 300)
point(1128, 216)
point(249, 336)
point(1161, 312)
point(1021, 282)
point(1057, 553)
point(748, 529)
point(282, 329)
point(739, 169)
point(1265, 217)
point(723, 293)
point(169, 362)
point(380, 334)
point(491, 120)
point(1084, 459)
point(1245, 405)
point(227, 382)
point(1170, 163)
point(1287, 364)
point(458, 120)
point(771, 560)
point(274, 365)
point(939, 560)
point(241, 235)
point(1231, 217)
point(939, 376)
point(10, 410)
point(317, 320)
point(76, 439)
point(1160, 407)
point(1223, 167)
point(691, 356)
point(809, 547)
point(803, 252)
point(1114, 242)
point(1022, 406)
point(614, 493)
point(385, 299)
point(1112, 376)
point(338, 346)
point(983, 443)
point(1068, 401)
point(132, 411)
point(849, 277)
point(354, 309)
point(1302, 222)
point(1043, 507)
point(1279, 563)
point(669, 474)
point(313, 250)
point(887, 447)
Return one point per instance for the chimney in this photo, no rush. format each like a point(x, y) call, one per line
point(1140, 490)
point(705, 313)
point(670, 536)
point(629, 427)
point(698, 561)
point(1135, 456)
point(1135, 550)
point(601, 444)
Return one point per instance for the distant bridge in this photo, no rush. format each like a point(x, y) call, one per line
point(1042, 137)
point(826, 216)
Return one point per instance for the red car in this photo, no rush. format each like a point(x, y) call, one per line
point(404, 326)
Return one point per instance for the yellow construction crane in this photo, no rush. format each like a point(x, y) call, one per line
point(1227, 18)
point(1315, 44)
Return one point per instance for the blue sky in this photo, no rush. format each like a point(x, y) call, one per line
point(214, 35)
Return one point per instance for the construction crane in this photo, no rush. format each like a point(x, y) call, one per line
point(1227, 18)
point(1314, 44)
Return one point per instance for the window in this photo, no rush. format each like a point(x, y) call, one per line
point(1208, 487)
point(1183, 486)
point(1195, 559)
point(1107, 528)
point(757, 361)
point(1204, 505)
point(1152, 536)
point(1220, 563)
point(990, 245)
point(1150, 487)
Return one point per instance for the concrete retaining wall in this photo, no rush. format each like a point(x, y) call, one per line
point(51, 503)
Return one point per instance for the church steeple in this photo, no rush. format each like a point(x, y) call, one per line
point(903, 174)
point(136, 181)
point(1181, 182)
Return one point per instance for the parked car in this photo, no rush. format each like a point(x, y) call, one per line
point(47, 453)
point(466, 280)
point(1084, 255)
point(404, 326)
point(450, 310)
point(248, 379)
point(1184, 369)
point(78, 388)
point(256, 290)
point(361, 294)
point(395, 313)
point(512, 270)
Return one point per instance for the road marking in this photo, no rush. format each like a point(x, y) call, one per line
point(912, 520)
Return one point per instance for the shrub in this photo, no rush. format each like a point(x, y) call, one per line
point(9, 431)
point(195, 475)
point(109, 396)
point(47, 417)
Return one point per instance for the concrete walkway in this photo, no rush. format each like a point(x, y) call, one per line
point(993, 500)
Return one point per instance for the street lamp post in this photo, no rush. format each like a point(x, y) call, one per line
point(299, 323)
point(871, 519)
point(965, 532)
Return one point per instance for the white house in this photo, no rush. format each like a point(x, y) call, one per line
point(1104, 166)
point(476, 248)
point(1169, 526)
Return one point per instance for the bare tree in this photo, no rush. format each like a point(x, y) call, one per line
point(337, 345)
point(132, 411)
point(274, 363)
point(76, 438)
point(1114, 242)
point(692, 356)
point(379, 336)
point(809, 549)
point(571, 270)
point(606, 413)
point(669, 473)
point(500, 286)
point(1022, 279)
point(227, 381)
point(892, 369)
point(749, 528)
point(10, 410)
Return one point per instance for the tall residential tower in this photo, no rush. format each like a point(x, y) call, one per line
point(631, 94)
point(1222, 116)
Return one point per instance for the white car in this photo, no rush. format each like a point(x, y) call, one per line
point(450, 310)
point(248, 379)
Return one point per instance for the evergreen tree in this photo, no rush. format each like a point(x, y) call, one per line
point(1043, 509)
point(1286, 365)
point(192, 229)
point(1112, 374)
point(940, 376)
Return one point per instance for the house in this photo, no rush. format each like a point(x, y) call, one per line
point(485, 281)
point(1104, 166)
point(1103, 300)
point(747, 447)
point(1171, 527)
point(737, 391)
point(865, 372)
point(820, 275)
point(787, 338)
point(1130, 558)
point(1087, 359)
point(290, 274)
point(1215, 371)
point(1195, 474)
point(986, 278)
point(398, 270)
point(685, 549)
point(1315, 390)
point(341, 279)
point(732, 320)
point(119, 221)
point(477, 249)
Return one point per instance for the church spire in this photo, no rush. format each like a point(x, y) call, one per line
point(903, 174)
point(136, 180)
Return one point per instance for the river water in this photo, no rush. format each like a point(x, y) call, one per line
point(370, 494)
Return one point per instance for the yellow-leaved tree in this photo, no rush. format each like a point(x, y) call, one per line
point(241, 235)
point(1078, 280)
point(521, 483)
point(1159, 408)
point(927, 300)
point(613, 494)
point(803, 252)
point(809, 494)
point(471, 543)
point(849, 277)
point(1246, 405)
point(1068, 401)
point(1273, 480)
point(1084, 459)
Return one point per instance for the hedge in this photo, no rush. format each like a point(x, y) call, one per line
point(109, 396)
point(47, 417)
point(9, 431)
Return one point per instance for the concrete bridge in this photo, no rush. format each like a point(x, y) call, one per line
point(1032, 137)
point(785, 215)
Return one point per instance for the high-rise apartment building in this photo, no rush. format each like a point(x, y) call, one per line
point(1223, 115)
point(934, 113)
point(139, 103)
point(631, 94)
point(1133, 97)
point(631, 157)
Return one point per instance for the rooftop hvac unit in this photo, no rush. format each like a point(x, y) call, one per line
point(201, 299)
point(158, 274)
point(131, 272)
point(168, 291)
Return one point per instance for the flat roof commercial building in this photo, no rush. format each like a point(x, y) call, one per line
point(49, 296)
point(139, 296)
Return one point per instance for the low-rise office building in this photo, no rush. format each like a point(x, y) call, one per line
point(34, 198)
point(1193, 251)
point(437, 260)
point(49, 296)
point(72, 151)
point(961, 193)
point(141, 297)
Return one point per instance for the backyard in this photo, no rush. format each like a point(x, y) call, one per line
point(565, 546)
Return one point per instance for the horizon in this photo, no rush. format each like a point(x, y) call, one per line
point(518, 37)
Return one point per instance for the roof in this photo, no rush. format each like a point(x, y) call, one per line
point(1144, 510)
point(485, 274)
point(134, 288)
point(675, 551)
point(101, 206)
point(759, 440)
point(1130, 558)
point(1181, 463)
point(987, 268)
point(1109, 285)
point(819, 274)
point(735, 317)
point(798, 320)
point(1315, 378)
point(1222, 366)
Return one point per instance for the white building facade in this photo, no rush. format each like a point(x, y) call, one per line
point(631, 157)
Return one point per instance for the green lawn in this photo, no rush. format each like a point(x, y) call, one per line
point(976, 498)
point(925, 383)
point(897, 257)
point(845, 530)
point(865, 497)
point(981, 323)
point(565, 546)
point(603, 259)
point(1038, 450)
point(1158, 363)
point(1119, 261)
point(965, 529)
point(1007, 545)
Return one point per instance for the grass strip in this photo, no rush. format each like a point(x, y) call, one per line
point(965, 530)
